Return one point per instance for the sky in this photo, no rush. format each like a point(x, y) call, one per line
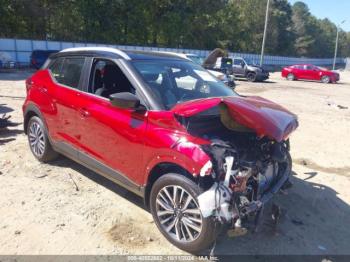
point(334, 10)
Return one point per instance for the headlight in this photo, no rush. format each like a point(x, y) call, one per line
point(206, 169)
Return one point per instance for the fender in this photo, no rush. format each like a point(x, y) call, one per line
point(186, 155)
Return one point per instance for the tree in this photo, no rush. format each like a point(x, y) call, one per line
point(236, 25)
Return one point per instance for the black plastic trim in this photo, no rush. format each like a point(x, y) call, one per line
point(31, 108)
point(98, 167)
point(276, 188)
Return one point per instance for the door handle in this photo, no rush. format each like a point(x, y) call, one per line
point(84, 112)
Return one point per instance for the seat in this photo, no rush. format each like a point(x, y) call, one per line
point(167, 90)
point(113, 81)
point(71, 75)
point(98, 82)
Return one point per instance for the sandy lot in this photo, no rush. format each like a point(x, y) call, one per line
point(43, 212)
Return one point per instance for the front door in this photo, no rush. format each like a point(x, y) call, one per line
point(238, 67)
point(112, 136)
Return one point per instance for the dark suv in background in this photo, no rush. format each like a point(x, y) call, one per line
point(38, 57)
point(239, 68)
point(247, 69)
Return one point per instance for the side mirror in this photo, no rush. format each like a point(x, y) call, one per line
point(125, 100)
point(242, 64)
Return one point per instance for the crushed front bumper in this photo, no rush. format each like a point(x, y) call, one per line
point(262, 76)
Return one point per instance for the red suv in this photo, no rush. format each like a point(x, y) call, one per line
point(310, 72)
point(166, 129)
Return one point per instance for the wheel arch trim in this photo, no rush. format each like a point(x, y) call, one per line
point(30, 110)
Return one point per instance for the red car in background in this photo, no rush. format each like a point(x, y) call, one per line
point(309, 72)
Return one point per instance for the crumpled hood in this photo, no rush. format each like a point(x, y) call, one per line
point(261, 115)
point(255, 66)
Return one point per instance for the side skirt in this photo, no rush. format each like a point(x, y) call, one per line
point(98, 167)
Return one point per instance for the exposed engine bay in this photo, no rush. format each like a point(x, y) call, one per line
point(245, 170)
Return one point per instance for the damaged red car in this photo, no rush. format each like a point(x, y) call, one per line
point(163, 127)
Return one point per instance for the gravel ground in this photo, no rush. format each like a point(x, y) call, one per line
point(63, 208)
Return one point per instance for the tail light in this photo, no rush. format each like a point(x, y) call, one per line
point(29, 84)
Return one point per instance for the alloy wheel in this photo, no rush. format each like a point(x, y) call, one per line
point(251, 77)
point(325, 79)
point(290, 77)
point(36, 139)
point(178, 213)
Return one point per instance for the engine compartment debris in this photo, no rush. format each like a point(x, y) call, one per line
point(244, 173)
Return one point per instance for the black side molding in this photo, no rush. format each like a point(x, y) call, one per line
point(98, 167)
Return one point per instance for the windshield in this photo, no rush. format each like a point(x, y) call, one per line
point(174, 81)
point(197, 59)
point(250, 61)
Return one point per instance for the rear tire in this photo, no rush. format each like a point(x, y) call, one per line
point(175, 210)
point(251, 77)
point(325, 79)
point(38, 140)
point(291, 77)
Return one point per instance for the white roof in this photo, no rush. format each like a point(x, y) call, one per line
point(97, 48)
point(180, 55)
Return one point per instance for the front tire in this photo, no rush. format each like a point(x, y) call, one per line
point(325, 79)
point(251, 77)
point(39, 142)
point(175, 210)
point(290, 77)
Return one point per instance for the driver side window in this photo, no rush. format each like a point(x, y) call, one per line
point(238, 62)
point(107, 78)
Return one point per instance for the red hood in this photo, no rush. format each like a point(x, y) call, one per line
point(263, 116)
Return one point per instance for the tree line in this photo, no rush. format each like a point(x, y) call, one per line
point(236, 25)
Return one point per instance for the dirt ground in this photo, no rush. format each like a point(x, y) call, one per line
point(63, 208)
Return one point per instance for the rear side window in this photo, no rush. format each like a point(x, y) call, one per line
point(308, 67)
point(67, 71)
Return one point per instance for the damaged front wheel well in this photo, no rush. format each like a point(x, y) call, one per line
point(160, 170)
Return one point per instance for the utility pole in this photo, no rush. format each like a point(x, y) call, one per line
point(265, 29)
point(336, 44)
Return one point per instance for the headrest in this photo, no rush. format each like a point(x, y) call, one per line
point(150, 76)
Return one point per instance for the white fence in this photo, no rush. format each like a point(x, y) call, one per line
point(19, 51)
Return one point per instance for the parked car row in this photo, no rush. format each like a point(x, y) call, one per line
point(227, 69)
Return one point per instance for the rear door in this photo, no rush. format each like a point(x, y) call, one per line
point(308, 72)
point(299, 71)
point(66, 74)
